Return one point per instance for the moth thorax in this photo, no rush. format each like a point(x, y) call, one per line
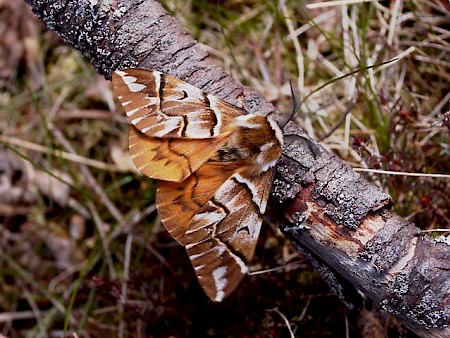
point(256, 142)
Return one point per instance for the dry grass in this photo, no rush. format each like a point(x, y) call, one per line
point(81, 248)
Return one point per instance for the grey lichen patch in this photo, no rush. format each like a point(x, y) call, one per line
point(419, 289)
point(299, 220)
point(290, 179)
point(350, 198)
point(301, 149)
point(335, 286)
point(346, 197)
point(389, 245)
point(100, 31)
point(119, 12)
point(443, 239)
point(426, 312)
point(48, 13)
point(89, 30)
point(278, 190)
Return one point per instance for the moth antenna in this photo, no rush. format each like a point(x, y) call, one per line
point(295, 106)
point(313, 148)
point(294, 160)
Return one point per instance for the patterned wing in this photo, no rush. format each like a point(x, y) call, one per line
point(177, 203)
point(171, 159)
point(217, 166)
point(160, 105)
point(222, 235)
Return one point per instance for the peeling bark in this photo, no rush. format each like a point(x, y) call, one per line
point(332, 214)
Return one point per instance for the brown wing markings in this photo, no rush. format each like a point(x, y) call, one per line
point(218, 222)
point(241, 228)
point(204, 226)
point(171, 159)
point(231, 215)
point(180, 154)
point(222, 235)
point(259, 192)
point(174, 206)
point(195, 198)
point(155, 103)
point(185, 124)
point(215, 119)
point(185, 95)
point(153, 157)
point(245, 185)
point(182, 99)
point(162, 83)
point(221, 271)
point(137, 102)
point(178, 202)
point(215, 204)
point(219, 268)
point(201, 243)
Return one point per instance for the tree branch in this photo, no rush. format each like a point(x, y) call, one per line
point(332, 214)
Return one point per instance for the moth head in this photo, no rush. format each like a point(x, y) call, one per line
point(261, 141)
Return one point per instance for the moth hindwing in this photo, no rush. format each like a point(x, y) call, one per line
point(214, 163)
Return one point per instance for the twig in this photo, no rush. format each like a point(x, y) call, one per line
point(401, 173)
point(90, 180)
point(59, 153)
point(323, 4)
point(286, 321)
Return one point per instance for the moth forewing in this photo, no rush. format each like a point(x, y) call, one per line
point(160, 105)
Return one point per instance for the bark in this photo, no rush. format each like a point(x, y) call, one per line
point(332, 214)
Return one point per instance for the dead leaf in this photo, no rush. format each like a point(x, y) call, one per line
point(21, 183)
point(122, 158)
point(19, 40)
point(370, 324)
point(77, 227)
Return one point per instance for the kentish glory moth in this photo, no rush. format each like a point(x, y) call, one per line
point(214, 163)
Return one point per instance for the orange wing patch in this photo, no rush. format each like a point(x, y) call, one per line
point(177, 203)
point(170, 159)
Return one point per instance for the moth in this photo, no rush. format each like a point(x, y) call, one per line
point(214, 165)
